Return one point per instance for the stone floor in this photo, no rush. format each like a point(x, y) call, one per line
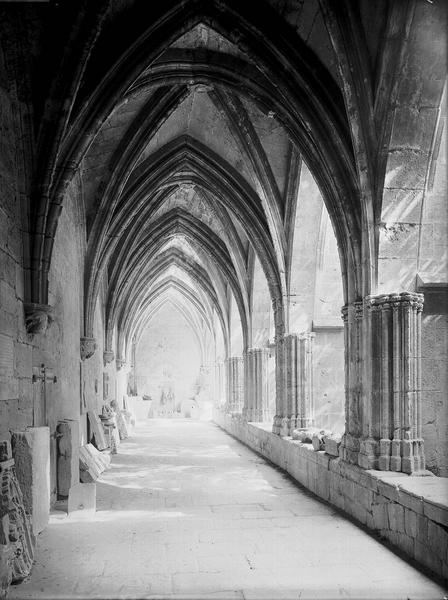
point(186, 511)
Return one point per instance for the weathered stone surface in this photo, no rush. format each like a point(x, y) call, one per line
point(331, 444)
point(38, 317)
point(91, 463)
point(234, 214)
point(410, 523)
point(121, 425)
point(87, 347)
point(31, 451)
point(304, 435)
point(5, 569)
point(97, 430)
point(318, 439)
point(17, 540)
point(68, 456)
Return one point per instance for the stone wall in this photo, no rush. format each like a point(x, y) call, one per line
point(435, 380)
point(25, 401)
point(168, 358)
point(329, 395)
point(15, 349)
point(409, 512)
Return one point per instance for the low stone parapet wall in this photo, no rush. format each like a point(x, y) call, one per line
point(410, 512)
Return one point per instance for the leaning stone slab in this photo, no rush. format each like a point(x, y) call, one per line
point(97, 430)
point(31, 451)
point(121, 424)
point(82, 500)
point(91, 463)
point(68, 456)
point(331, 444)
point(17, 541)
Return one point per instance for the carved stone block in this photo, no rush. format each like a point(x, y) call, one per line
point(318, 441)
point(108, 357)
point(304, 435)
point(87, 347)
point(38, 317)
point(31, 450)
point(91, 463)
point(17, 541)
point(68, 456)
point(331, 444)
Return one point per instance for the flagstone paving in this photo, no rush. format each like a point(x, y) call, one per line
point(186, 511)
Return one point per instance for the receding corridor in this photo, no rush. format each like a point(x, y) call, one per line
point(187, 511)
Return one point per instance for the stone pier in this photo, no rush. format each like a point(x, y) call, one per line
point(235, 383)
point(256, 398)
point(383, 385)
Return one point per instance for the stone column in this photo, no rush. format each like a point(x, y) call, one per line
point(394, 322)
point(281, 408)
point(235, 383)
point(220, 391)
point(352, 316)
point(304, 401)
point(383, 383)
point(256, 396)
point(228, 375)
point(296, 354)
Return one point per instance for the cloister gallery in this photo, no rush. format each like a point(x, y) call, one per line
point(233, 212)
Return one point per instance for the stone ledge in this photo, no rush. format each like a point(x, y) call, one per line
point(410, 512)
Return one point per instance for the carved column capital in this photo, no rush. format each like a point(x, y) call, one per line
point(307, 335)
point(359, 310)
point(108, 356)
point(38, 317)
point(395, 300)
point(87, 347)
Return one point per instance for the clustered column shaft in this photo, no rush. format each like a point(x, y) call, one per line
point(235, 383)
point(219, 383)
point(383, 402)
point(352, 316)
point(295, 407)
point(256, 393)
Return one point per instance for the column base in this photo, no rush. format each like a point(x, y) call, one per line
point(285, 427)
point(368, 454)
point(277, 425)
point(395, 458)
point(384, 457)
point(402, 456)
point(349, 448)
point(413, 457)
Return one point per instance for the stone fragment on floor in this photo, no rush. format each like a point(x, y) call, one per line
point(92, 463)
